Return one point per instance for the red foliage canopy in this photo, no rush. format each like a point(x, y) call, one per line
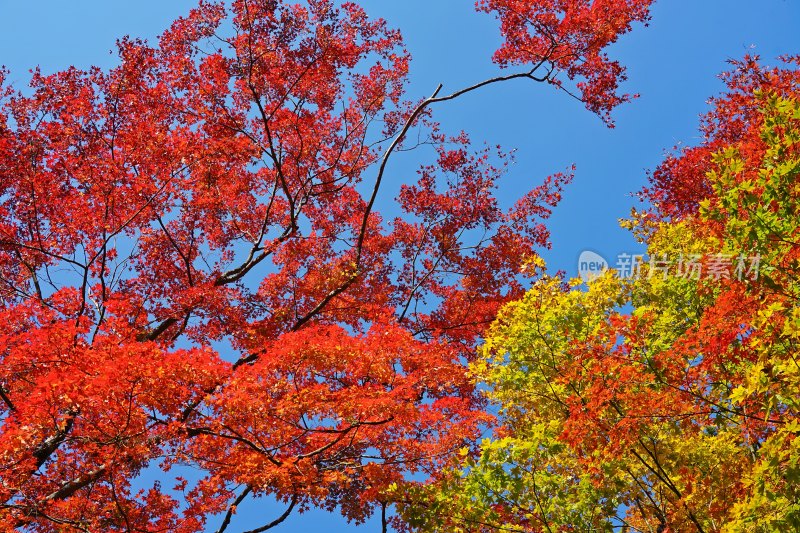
point(192, 271)
point(679, 184)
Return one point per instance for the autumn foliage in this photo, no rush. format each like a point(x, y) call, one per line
point(666, 400)
point(194, 273)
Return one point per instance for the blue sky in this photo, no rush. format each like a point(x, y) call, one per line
point(673, 64)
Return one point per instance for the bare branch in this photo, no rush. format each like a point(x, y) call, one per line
point(278, 520)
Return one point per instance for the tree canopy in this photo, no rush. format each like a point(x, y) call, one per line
point(197, 281)
point(193, 272)
point(665, 399)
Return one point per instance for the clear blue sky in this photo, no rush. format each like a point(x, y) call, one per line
point(673, 64)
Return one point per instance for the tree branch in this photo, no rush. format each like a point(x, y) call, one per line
point(278, 520)
point(232, 508)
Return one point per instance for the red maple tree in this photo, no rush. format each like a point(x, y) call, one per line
point(679, 184)
point(193, 271)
